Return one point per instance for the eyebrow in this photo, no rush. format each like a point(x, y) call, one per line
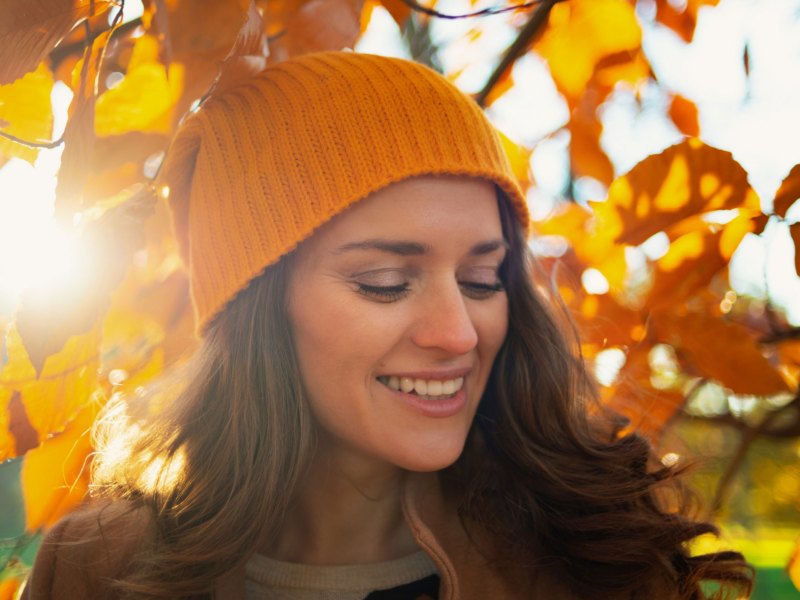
point(404, 248)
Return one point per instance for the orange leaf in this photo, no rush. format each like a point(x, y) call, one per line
point(586, 156)
point(793, 567)
point(794, 231)
point(713, 347)
point(29, 29)
point(8, 589)
point(684, 180)
point(648, 409)
point(322, 25)
point(787, 193)
point(26, 113)
point(399, 10)
point(55, 476)
point(682, 22)
point(582, 32)
point(683, 113)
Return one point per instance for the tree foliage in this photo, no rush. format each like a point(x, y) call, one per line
point(670, 319)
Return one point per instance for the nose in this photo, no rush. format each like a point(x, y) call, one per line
point(445, 322)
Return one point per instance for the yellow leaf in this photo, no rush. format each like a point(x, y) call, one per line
point(787, 193)
point(25, 112)
point(55, 476)
point(67, 382)
point(582, 32)
point(145, 99)
point(520, 158)
point(685, 180)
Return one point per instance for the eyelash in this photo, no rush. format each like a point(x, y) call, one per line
point(392, 293)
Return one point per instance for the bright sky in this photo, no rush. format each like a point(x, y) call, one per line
point(758, 119)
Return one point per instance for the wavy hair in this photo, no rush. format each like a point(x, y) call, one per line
point(216, 463)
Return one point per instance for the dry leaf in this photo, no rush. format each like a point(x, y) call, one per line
point(787, 193)
point(29, 29)
point(794, 231)
point(709, 346)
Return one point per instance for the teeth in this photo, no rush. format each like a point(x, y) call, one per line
point(428, 388)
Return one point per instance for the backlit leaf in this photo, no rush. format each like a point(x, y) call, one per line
point(681, 20)
point(322, 25)
point(712, 347)
point(145, 99)
point(29, 29)
point(25, 113)
point(55, 476)
point(684, 180)
point(582, 32)
point(520, 158)
point(683, 113)
point(50, 401)
point(648, 409)
point(787, 193)
point(793, 567)
point(399, 10)
point(794, 231)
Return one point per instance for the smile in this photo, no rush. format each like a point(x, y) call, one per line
point(427, 388)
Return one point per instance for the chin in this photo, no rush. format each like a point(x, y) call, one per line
point(433, 458)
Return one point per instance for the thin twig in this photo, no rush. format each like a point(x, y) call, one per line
point(748, 437)
point(492, 10)
point(532, 28)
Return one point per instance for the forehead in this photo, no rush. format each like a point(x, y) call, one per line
point(434, 210)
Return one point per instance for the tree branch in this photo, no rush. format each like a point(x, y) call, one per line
point(532, 28)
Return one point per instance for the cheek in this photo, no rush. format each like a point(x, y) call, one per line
point(492, 325)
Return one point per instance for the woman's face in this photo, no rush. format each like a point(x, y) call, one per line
point(398, 313)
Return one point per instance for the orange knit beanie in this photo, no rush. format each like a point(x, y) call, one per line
point(257, 168)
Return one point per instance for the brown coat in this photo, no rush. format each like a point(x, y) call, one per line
point(90, 546)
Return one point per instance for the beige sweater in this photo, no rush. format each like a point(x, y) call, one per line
point(268, 579)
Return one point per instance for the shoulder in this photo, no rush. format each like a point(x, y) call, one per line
point(84, 551)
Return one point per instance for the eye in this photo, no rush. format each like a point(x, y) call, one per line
point(388, 293)
point(481, 291)
point(481, 282)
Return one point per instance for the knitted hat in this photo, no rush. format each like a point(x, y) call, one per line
point(261, 165)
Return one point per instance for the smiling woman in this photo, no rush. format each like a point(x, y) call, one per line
point(382, 405)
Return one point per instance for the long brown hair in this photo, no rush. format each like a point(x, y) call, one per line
point(216, 466)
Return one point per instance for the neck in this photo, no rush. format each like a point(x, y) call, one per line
point(348, 511)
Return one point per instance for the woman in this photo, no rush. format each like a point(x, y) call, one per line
point(382, 405)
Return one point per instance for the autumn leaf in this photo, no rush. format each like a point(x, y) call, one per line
point(399, 10)
point(322, 25)
point(794, 231)
point(29, 29)
point(55, 476)
point(684, 180)
point(587, 158)
point(681, 20)
point(145, 99)
point(715, 348)
point(683, 113)
point(47, 403)
point(648, 409)
point(520, 159)
point(793, 568)
point(582, 32)
point(787, 193)
point(25, 113)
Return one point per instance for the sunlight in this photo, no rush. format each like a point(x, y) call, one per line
point(34, 250)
